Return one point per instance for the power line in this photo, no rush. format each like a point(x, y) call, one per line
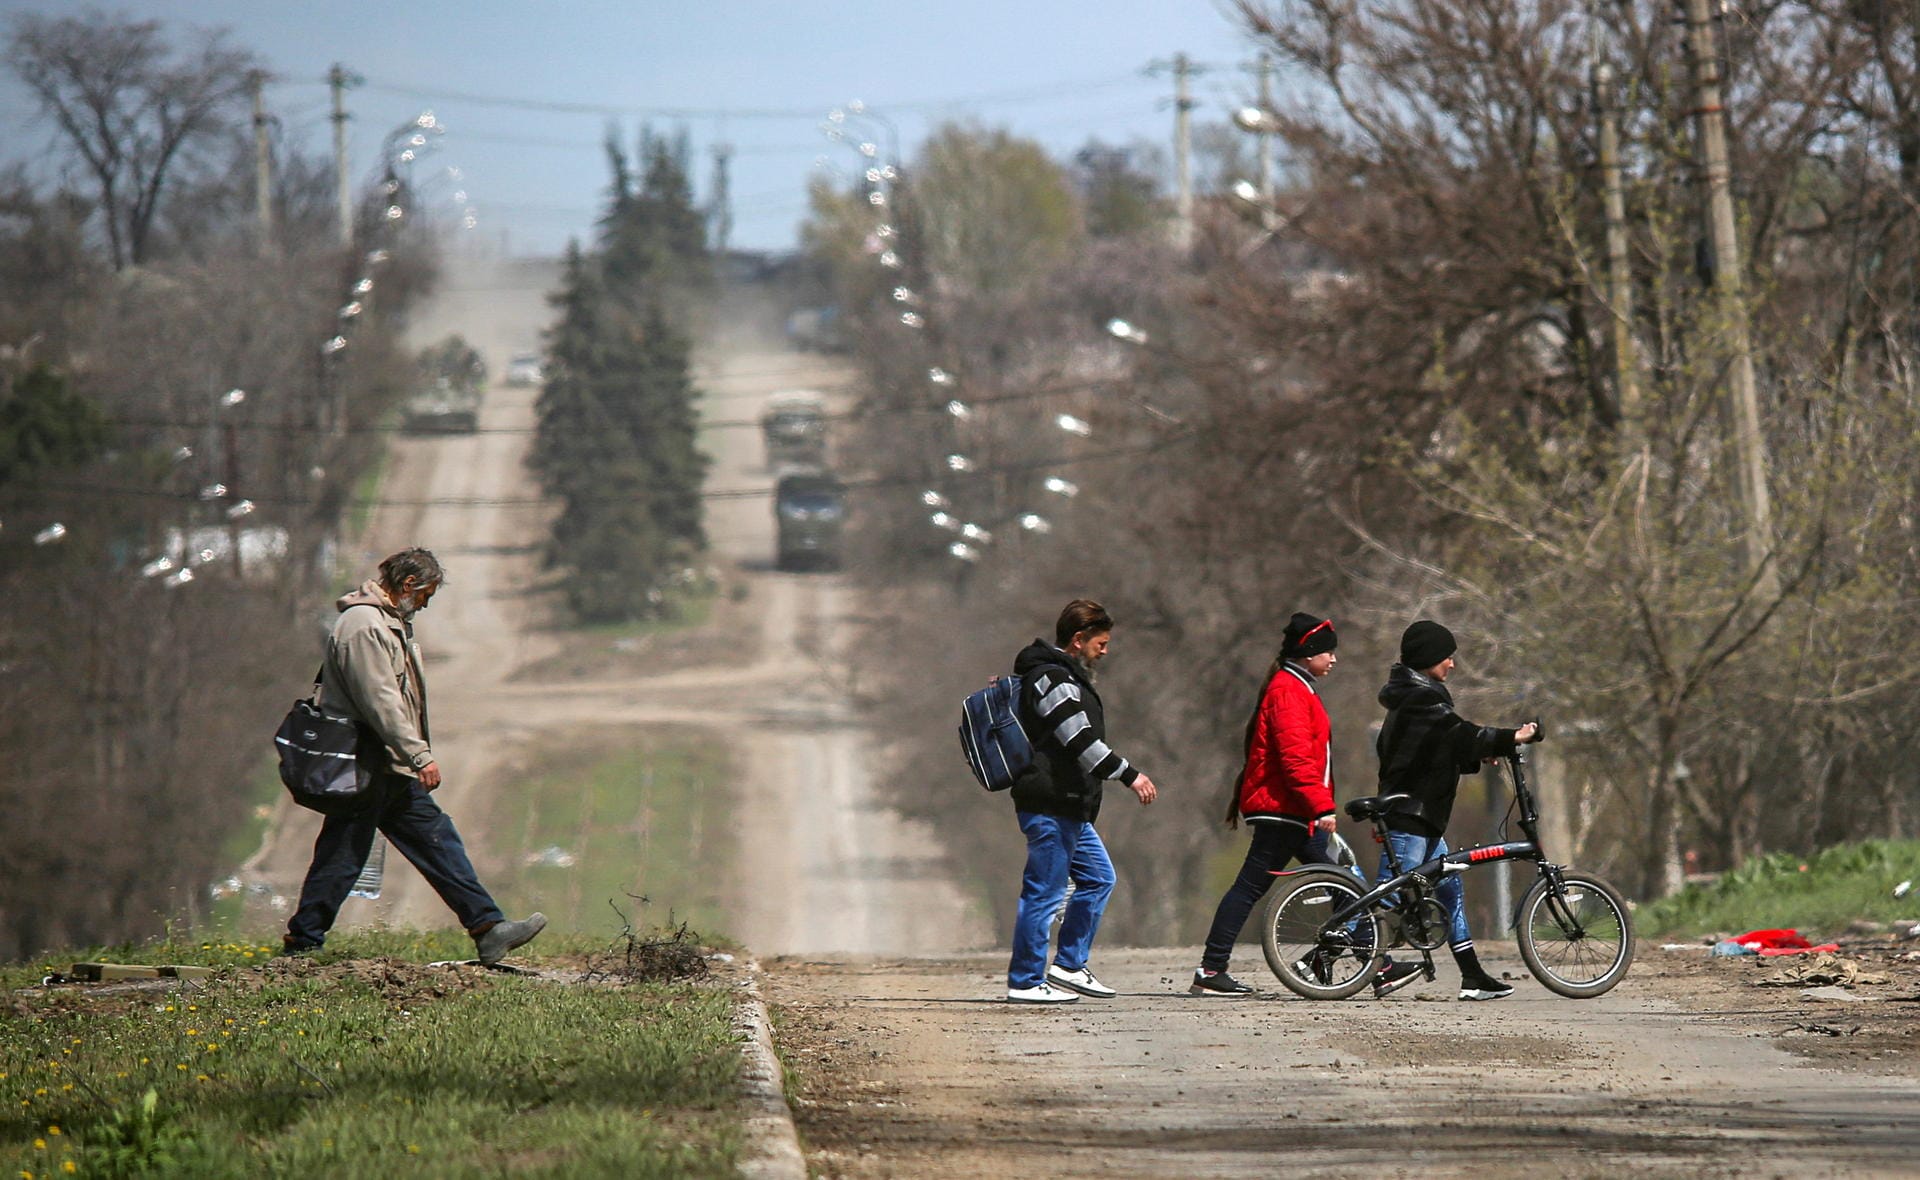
point(928, 408)
point(1023, 94)
point(102, 491)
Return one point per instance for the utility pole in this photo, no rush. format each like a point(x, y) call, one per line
point(1730, 287)
point(337, 80)
point(1263, 69)
point(722, 197)
point(1626, 377)
point(262, 159)
point(1182, 152)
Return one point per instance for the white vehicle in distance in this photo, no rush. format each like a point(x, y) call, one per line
point(524, 368)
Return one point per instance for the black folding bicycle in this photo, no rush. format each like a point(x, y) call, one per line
point(1326, 932)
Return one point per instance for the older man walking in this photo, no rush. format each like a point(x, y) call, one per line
point(372, 675)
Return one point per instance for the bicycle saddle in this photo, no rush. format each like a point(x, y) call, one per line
point(1371, 806)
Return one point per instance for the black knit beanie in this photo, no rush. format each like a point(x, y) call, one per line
point(1425, 644)
point(1307, 635)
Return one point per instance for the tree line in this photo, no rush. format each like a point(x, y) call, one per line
point(1422, 384)
point(177, 390)
point(616, 419)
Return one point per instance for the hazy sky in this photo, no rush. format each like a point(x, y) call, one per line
point(528, 90)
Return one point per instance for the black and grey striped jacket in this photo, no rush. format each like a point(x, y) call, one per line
point(1065, 722)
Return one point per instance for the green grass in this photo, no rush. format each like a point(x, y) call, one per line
point(686, 606)
point(1818, 894)
point(354, 1064)
point(645, 812)
point(366, 489)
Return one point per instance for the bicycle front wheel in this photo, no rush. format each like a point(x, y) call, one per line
point(1311, 960)
point(1577, 939)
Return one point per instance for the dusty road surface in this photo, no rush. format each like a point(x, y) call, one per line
point(915, 1068)
point(820, 863)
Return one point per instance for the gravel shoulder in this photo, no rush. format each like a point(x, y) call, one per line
point(915, 1067)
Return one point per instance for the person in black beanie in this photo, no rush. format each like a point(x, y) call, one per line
point(1424, 749)
point(1285, 794)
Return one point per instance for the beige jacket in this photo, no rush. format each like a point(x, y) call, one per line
point(372, 674)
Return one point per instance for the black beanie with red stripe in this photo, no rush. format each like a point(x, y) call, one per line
point(1307, 635)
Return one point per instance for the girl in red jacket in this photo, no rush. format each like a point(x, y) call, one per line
point(1285, 795)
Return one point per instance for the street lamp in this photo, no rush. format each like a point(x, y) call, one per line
point(1124, 330)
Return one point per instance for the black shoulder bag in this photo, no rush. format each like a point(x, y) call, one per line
point(320, 761)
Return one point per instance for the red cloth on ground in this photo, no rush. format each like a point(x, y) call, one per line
point(1768, 940)
point(1776, 951)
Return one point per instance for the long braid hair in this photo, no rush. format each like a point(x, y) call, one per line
point(1253, 719)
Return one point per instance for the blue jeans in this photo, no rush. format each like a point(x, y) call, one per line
point(1414, 850)
point(422, 832)
point(1058, 850)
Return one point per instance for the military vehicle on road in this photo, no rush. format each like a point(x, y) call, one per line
point(810, 513)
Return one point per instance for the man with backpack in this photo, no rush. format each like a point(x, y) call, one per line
point(373, 677)
point(1056, 799)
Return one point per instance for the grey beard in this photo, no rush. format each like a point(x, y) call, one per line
point(1086, 668)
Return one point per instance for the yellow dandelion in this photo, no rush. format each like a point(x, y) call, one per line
point(39, 1144)
point(193, 1032)
point(204, 1078)
point(413, 1149)
point(53, 1128)
point(182, 1067)
point(69, 1167)
point(40, 1093)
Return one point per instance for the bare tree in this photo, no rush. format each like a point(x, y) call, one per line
point(136, 110)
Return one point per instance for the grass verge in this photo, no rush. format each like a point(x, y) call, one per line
point(364, 1061)
point(1821, 893)
point(603, 815)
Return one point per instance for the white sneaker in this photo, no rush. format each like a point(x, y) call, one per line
point(1040, 995)
point(1081, 981)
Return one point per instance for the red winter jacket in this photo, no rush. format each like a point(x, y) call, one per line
point(1288, 776)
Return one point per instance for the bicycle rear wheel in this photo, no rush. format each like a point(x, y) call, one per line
point(1578, 940)
point(1316, 965)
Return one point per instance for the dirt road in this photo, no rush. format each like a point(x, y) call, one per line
point(821, 865)
point(913, 1068)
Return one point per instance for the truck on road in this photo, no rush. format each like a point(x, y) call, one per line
point(794, 426)
point(810, 512)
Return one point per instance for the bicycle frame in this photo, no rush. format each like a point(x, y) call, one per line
point(1458, 860)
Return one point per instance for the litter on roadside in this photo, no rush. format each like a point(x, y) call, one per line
point(1835, 992)
point(1770, 943)
point(1822, 970)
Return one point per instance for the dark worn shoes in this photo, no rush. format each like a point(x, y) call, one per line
point(502, 937)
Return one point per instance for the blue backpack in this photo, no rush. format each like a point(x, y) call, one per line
point(996, 747)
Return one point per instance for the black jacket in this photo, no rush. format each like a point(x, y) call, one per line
point(1067, 726)
point(1424, 749)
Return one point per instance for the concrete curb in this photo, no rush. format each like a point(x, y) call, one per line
point(772, 1147)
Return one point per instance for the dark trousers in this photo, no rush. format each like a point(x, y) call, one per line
point(1273, 846)
point(401, 808)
